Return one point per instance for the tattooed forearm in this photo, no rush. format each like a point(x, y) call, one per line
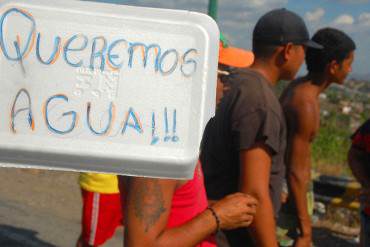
point(148, 202)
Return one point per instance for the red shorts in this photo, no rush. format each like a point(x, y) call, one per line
point(102, 214)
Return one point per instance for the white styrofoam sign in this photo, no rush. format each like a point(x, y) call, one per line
point(108, 88)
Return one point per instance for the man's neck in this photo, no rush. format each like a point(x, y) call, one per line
point(319, 82)
point(267, 70)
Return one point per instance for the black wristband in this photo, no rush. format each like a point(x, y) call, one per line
point(216, 218)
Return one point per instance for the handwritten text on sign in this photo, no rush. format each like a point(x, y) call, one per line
point(98, 65)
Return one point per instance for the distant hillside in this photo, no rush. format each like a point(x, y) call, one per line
point(360, 77)
point(358, 84)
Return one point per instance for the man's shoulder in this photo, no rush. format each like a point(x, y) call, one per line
point(246, 77)
point(296, 98)
point(250, 84)
point(303, 103)
point(302, 111)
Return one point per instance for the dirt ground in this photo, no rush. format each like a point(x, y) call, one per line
point(42, 208)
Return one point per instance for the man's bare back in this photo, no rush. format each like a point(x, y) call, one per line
point(298, 100)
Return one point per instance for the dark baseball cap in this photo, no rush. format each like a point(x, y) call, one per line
point(281, 26)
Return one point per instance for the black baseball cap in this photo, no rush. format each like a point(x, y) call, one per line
point(281, 26)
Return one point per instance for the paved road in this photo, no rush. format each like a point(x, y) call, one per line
point(41, 208)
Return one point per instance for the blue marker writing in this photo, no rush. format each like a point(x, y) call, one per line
point(27, 44)
point(155, 138)
point(187, 62)
point(112, 57)
point(54, 54)
point(167, 136)
point(15, 112)
point(67, 49)
point(174, 65)
point(146, 48)
point(16, 44)
point(72, 113)
point(95, 53)
point(107, 128)
point(175, 138)
point(136, 125)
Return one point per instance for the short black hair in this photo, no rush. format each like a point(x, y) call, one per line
point(337, 46)
point(263, 50)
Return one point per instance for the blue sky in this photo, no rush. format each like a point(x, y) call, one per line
point(237, 18)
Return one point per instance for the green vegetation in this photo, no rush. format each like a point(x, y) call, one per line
point(331, 145)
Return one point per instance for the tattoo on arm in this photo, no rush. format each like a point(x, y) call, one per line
point(148, 203)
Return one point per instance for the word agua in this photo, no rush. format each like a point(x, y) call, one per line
point(131, 120)
point(102, 52)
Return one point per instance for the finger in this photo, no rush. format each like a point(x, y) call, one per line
point(252, 203)
point(250, 208)
point(237, 194)
point(249, 196)
point(246, 217)
point(247, 199)
point(251, 211)
point(249, 218)
point(251, 199)
point(245, 224)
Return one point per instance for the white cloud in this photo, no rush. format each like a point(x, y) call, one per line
point(253, 4)
point(264, 3)
point(314, 16)
point(364, 19)
point(353, 26)
point(238, 17)
point(350, 1)
point(343, 20)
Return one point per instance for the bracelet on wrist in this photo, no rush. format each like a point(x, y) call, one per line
point(218, 223)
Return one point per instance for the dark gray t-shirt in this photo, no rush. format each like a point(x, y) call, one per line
point(249, 113)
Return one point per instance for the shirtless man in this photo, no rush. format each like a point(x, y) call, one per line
point(300, 102)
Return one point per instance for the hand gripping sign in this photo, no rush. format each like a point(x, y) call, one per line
point(106, 88)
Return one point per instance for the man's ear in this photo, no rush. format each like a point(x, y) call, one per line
point(287, 50)
point(333, 67)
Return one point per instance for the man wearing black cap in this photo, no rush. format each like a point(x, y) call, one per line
point(243, 145)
